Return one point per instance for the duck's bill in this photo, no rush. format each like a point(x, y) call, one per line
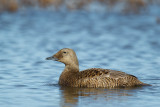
point(51, 58)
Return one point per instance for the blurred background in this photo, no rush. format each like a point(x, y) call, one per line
point(121, 6)
point(111, 34)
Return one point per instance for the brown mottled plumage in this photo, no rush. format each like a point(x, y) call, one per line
point(94, 77)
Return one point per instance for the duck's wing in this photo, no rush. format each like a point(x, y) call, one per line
point(98, 72)
point(97, 77)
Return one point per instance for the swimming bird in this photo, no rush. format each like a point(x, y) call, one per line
point(93, 77)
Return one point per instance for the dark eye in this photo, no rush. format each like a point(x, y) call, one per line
point(65, 52)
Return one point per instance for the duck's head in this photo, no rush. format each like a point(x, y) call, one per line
point(66, 56)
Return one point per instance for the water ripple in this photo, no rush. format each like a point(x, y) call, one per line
point(127, 43)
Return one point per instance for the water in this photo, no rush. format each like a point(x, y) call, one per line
point(129, 43)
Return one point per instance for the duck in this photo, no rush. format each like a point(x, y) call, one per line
point(93, 77)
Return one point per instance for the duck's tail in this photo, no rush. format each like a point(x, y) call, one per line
point(144, 84)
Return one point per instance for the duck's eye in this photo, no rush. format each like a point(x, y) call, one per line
point(65, 52)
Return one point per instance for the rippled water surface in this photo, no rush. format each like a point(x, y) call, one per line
point(130, 43)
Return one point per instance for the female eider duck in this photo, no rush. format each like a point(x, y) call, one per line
point(94, 77)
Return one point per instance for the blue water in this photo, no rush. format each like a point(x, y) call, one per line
point(130, 43)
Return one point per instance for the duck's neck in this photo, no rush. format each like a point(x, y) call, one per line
point(71, 68)
point(69, 75)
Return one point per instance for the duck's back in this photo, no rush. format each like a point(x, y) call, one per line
point(96, 77)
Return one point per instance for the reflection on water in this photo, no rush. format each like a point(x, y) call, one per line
point(73, 96)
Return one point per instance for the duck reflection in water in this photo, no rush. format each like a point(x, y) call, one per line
point(71, 96)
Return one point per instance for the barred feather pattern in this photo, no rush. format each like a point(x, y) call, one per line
point(97, 77)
